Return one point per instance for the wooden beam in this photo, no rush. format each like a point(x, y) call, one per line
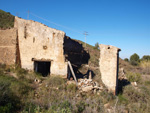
point(70, 66)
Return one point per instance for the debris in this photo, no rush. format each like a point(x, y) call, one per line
point(86, 85)
point(87, 88)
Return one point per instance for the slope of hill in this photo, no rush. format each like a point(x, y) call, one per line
point(6, 20)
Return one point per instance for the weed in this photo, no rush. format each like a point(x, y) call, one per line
point(81, 106)
point(71, 88)
point(55, 81)
point(122, 99)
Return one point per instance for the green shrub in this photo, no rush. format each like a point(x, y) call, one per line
point(133, 77)
point(9, 101)
point(146, 58)
point(96, 46)
point(134, 95)
point(122, 99)
point(134, 59)
point(21, 71)
point(107, 97)
point(6, 20)
point(81, 106)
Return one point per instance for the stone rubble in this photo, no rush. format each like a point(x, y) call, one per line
point(86, 85)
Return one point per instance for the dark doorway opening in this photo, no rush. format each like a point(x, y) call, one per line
point(42, 67)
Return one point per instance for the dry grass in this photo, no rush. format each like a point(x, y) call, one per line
point(146, 66)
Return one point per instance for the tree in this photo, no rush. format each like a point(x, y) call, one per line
point(97, 45)
point(146, 58)
point(134, 59)
point(126, 59)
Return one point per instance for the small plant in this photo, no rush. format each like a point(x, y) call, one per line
point(71, 88)
point(122, 99)
point(80, 106)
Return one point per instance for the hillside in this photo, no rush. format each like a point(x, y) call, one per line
point(6, 20)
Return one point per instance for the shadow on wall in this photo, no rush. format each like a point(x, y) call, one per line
point(76, 54)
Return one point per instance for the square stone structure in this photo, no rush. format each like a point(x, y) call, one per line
point(37, 47)
point(39, 43)
point(109, 59)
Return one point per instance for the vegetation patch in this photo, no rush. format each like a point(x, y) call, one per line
point(6, 20)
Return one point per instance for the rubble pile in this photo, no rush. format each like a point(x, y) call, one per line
point(86, 85)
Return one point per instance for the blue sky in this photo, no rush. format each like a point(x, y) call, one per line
point(122, 23)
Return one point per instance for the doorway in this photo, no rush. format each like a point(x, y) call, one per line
point(42, 67)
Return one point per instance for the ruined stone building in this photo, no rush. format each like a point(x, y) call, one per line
point(37, 47)
point(108, 62)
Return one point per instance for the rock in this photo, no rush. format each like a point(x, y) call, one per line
point(85, 85)
point(134, 84)
point(87, 88)
point(37, 81)
point(99, 88)
point(95, 91)
point(97, 84)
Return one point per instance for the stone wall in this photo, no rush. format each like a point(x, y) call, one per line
point(37, 41)
point(109, 57)
point(8, 46)
point(74, 52)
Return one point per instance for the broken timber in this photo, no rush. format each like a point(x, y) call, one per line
point(72, 72)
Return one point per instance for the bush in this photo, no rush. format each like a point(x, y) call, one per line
point(81, 106)
point(138, 99)
point(126, 59)
point(71, 88)
point(145, 64)
point(134, 59)
point(146, 58)
point(133, 77)
point(9, 101)
point(55, 81)
point(6, 20)
point(96, 46)
point(122, 99)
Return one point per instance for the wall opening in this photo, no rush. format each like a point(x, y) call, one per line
point(42, 67)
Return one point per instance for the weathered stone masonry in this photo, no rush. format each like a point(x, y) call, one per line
point(109, 56)
point(35, 46)
point(8, 46)
point(40, 43)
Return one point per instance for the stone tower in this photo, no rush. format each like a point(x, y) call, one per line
point(109, 58)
